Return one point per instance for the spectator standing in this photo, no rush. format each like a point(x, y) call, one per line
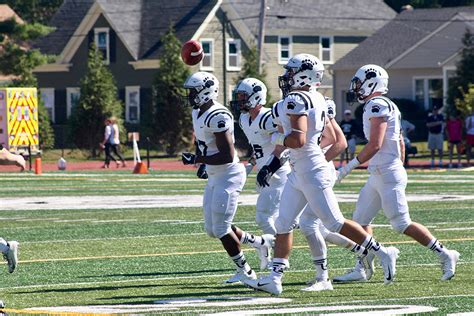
point(407, 128)
point(106, 144)
point(454, 127)
point(116, 141)
point(349, 128)
point(435, 123)
point(469, 136)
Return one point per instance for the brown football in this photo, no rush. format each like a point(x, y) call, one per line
point(192, 52)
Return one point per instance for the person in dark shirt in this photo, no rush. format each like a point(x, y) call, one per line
point(435, 124)
point(349, 128)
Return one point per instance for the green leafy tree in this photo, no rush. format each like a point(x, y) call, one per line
point(37, 11)
point(250, 69)
point(19, 61)
point(465, 104)
point(172, 122)
point(458, 85)
point(98, 101)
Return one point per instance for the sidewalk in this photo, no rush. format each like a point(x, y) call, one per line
point(170, 165)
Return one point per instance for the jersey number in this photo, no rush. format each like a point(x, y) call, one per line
point(320, 125)
point(258, 151)
point(202, 147)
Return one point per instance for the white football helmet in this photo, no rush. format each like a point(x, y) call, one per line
point(301, 70)
point(367, 80)
point(202, 87)
point(248, 93)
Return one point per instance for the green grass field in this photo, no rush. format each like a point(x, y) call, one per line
point(111, 243)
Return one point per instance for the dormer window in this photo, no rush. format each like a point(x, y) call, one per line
point(102, 42)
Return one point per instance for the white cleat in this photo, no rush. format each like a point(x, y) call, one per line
point(265, 251)
point(266, 284)
point(12, 256)
point(353, 275)
point(389, 262)
point(240, 276)
point(369, 265)
point(448, 263)
point(319, 286)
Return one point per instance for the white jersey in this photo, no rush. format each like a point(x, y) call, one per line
point(313, 105)
point(383, 107)
point(258, 133)
point(216, 119)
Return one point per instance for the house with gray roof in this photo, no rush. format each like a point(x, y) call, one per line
point(326, 29)
point(128, 33)
point(419, 49)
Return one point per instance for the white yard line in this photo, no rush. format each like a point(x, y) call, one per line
point(164, 201)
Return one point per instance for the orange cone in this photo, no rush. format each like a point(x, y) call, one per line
point(38, 169)
point(140, 168)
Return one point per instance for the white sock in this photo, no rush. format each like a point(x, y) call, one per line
point(278, 267)
point(241, 263)
point(252, 240)
point(359, 250)
point(373, 246)
point(321, 264)
point(339, 240)
point(3, 245)
point(437, 247)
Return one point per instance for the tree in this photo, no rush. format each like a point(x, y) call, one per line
point(34, 11)
point(466, 103)
point(18, 60)
point(458, 85)
point(98, 101)
point(172, 122)
point(250, 69)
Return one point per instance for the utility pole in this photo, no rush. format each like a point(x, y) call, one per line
point(261, 34)
point(224, 57)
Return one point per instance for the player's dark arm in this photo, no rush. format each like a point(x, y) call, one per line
point(226, 151)
point(378, 126)
point(340, 143)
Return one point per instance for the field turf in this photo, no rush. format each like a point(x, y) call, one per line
point(158, 260)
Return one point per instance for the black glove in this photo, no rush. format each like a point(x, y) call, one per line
point(188, 158)
point(263, 176)
point(202, 173)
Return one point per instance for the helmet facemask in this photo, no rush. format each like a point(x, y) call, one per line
point(363, 88)
point(286, 81)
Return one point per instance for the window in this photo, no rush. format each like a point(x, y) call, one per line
point(326, 49)
point(47, 95)
point(73, 95)
point(233, 55)
point(102, 42)
point(428, 92)
point(207, 63)
point(132, 104)
point(284, 49)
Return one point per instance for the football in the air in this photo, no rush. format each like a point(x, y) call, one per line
point(192, 52)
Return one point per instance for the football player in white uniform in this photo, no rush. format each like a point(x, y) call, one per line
point(311, 227)
point(9, 250)
point(249, 97)
point(385, 187)
point(214, 131)
point(304, 123)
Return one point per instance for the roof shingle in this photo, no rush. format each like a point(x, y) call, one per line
point(396, 37)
